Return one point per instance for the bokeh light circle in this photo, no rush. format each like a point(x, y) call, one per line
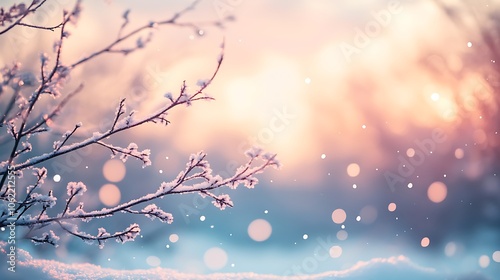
point(215, 258)
point(259, 230)
point(109, 195)
point(114, 170)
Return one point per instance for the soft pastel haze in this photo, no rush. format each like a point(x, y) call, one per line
point(389, 145)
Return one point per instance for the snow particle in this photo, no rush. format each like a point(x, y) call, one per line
point(161, 171)
point(259, 230)
point(153, 261)
point(307, 80)
point(305, 236)
point(167, 246)
point(339, 216)
point(323, 156)
point(363, 126)
point(342, 226)
point(469, 44)
point(435, 96)
point(57, 178)
point(425, 242)
point(335, 251)
point(354, 186)
point(215, 258)
point(265, 211)
point(2, 229)
point(202, 218)
point(484, 261)
point(410, 185)
point(358, 218)
point(173, 238)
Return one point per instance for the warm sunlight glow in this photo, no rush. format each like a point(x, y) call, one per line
point(259, 230)
point(437, 192)
point(114, 170)
point(109, 195)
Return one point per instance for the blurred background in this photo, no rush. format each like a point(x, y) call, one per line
point(384, 114)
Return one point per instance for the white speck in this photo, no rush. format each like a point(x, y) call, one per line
point(305, 236)
point(202, 218)
point(307, 80)
point(469, 44)
point(166, 157)
point(265, 211)
point(57, 178)
point(410, 185)
point(444, 175)
point(435, 96)
point(363, 126)
point(191, 37)
point(86, 167)
point(201, 32)
point(161, 171)
point(2, 228)
point(109, 259)
point(167, 246)
point(342, 226)
point(354, 186)
point(212, 226)
point(232, 265)
point(358, 218)
point(323, 156)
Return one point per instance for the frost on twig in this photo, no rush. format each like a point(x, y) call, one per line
point(36, 209)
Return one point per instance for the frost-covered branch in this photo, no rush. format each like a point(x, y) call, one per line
point(197, 168)
point(37, 209)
